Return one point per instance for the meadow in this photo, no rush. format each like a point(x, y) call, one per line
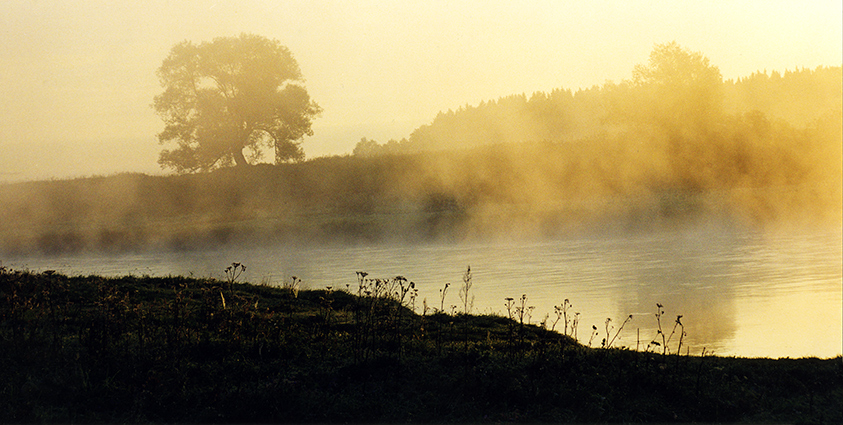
point(88, 349)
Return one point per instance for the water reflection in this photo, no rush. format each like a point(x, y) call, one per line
point(740, 292)
point(693, 274)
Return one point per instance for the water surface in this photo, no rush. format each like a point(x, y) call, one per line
point(740, 292)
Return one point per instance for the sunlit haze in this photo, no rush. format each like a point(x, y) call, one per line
point(77, 78)
point(623, 155)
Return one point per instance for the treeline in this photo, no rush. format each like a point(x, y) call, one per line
point(675, 138)
point(795, 99)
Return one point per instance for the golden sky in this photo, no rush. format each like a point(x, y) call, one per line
point(78, 77)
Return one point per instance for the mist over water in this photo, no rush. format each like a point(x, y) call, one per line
point(740, 292)
point(674, 187)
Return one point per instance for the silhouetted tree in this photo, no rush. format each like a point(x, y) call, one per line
point(681, 88)
point(230, 94)
point(366, 148)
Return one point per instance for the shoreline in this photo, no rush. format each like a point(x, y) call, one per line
point(178, 349)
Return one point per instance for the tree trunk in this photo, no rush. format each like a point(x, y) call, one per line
point(239, 159)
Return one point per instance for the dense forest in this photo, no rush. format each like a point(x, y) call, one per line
point(767, 146)
point(795, 99)
point(675, 143)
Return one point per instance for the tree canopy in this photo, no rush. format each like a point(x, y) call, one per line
point(229, 95)
point(676, 94)
point(684, 89)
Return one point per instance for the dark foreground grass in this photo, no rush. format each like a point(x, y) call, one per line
point(142, 349)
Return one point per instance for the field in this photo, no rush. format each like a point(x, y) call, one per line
point(176, 349)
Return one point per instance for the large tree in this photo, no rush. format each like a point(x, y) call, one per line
point(231, 95)
point(682, 89)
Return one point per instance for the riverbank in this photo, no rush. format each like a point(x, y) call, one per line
point(177, 349)
point(518, 191)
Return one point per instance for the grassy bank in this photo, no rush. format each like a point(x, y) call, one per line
point(519, 190)
point(175, 349)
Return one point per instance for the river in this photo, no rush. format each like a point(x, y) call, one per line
point(740, 292)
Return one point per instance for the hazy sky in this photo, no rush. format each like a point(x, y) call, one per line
point(77, 77)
